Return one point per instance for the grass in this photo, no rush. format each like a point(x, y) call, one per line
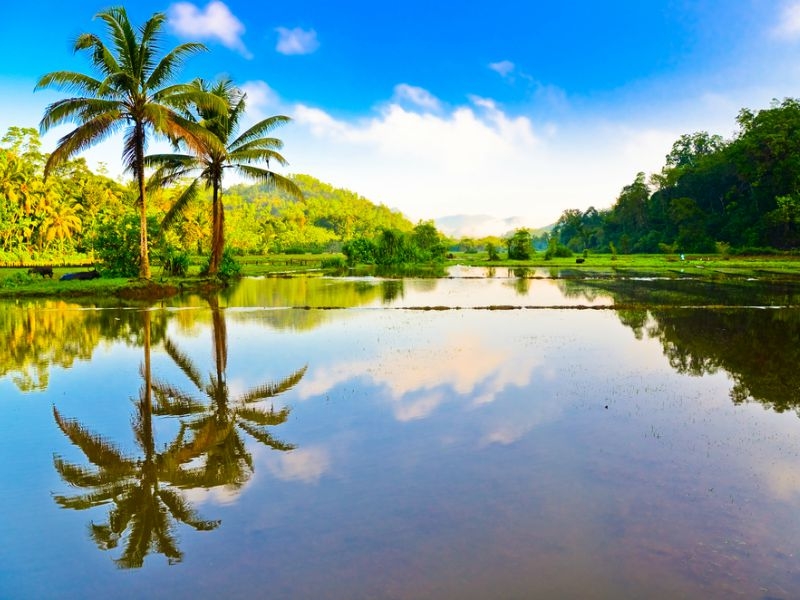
point(694, 265)
point(15, 282)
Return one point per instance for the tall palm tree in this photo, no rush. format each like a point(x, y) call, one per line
point(130, 94)
point(240, 153)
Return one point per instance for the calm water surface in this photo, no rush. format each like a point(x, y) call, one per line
point(366, 438)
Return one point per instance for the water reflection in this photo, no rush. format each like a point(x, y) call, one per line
point(757, 346)
point(147, 490)
point(759, 349)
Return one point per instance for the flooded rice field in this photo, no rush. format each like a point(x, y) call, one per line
point(487, 435)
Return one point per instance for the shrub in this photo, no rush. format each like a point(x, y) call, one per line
point(359, 251)
point(554, 249)
point(175, 262)
point(228, 267)
point(117, 244)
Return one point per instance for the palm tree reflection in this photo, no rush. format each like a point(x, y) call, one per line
point(216, 421)
point(146, 491)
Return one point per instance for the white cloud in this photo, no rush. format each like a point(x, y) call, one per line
point(215, 22)
point(788, 26)
point(417, 96)
point(261, 99)
point(296, 41)
point(504, 68)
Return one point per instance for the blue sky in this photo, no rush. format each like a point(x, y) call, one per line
point(504, 108)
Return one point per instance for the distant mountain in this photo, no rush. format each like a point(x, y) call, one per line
point(478, 226)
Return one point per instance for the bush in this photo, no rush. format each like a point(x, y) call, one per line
point(18, 279)
point(175, 262)
point(228, 267)
point(333, 262)
point(554, 249)
point(117, 244)
point(359, 251)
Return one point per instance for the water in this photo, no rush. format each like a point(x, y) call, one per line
point(366, 438)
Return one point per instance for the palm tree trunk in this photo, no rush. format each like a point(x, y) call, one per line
point(144, 255)
point(217, 231)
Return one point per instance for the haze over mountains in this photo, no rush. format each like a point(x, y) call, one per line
point(478, 226)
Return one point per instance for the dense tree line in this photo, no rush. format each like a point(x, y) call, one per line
point(80, 213)
point(711, 194)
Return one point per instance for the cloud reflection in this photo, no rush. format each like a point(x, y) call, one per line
point(423, 376)
point(307, 464)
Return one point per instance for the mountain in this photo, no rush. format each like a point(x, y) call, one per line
point(478, 226)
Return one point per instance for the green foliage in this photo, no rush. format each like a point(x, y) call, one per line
point(394, 247)
point(491, 252)
point(18, 279)
point(519, 245)
point(360, 251)
point(427, 243)
point(228, 267)
point(174, 262)
point(117, 243)
point(556, 250)
point(333, 262)
point(740, 192)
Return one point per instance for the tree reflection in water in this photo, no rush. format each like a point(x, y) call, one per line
point(146, 490)
point(730, 326)
point(216, 421)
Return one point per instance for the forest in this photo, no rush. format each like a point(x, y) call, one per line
point(712, 195)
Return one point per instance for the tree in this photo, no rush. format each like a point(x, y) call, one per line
point(131, 94)
point(220, 152)
point(519, 245)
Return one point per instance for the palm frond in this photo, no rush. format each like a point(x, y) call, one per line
point(258, 416)
point(259, 129)
point(184, 363)
point(271, 179)
point(79, 476)
point(97, 450)
point(166, 67)
point(173, 402)
point(82, 137)
point(70, 81)
point(254, 154)
point(259, 144)
point(184, 513)
point(270, 390)
point(264, 438)
point(78, 110)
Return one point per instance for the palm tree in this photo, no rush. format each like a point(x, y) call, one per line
point(211, 160)
point(61, 222)
point(130, 94)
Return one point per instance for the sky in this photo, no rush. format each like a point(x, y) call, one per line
point(503, 108)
